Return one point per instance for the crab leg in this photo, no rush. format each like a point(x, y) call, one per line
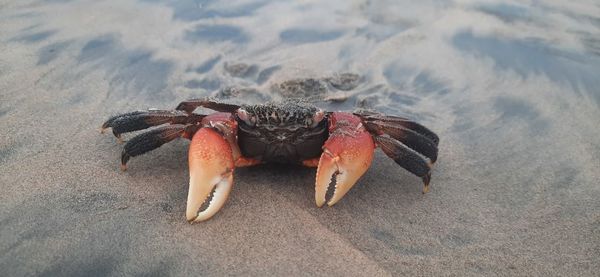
point(378, 119)
point(414, 140)
point(347, 155)
point(406, 158)
point(139, 120)
point(190, 105)
point(211, 173)
point(153, 139)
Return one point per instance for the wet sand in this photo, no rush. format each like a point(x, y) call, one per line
point(511, 89)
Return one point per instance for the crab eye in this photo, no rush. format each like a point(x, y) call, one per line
point(246, 117)
point(317, 118)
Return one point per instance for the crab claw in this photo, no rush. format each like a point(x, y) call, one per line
point(347, 155)
point(211, 174)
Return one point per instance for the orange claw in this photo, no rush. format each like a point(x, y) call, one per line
point(211, 173)
point(347, 154)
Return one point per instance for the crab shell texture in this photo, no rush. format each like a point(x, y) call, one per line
point(339, 144)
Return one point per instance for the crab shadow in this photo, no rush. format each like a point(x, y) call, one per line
point(384, 191)
point(384, 188)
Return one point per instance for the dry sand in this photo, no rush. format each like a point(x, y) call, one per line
point(515, 192)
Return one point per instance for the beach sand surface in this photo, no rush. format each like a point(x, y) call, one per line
point(511, 89)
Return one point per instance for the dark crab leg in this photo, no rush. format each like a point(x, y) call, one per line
point(190, 105)
point(153, 139)
point(406, 158)
point(416, 141)
point(406, 143)
point(400, 121)
point(139, 120)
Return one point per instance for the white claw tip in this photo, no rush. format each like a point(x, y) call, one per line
point(199, 193)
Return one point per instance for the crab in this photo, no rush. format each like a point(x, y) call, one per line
point(340, 144)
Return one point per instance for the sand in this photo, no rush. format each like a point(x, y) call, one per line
point(515, 191)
